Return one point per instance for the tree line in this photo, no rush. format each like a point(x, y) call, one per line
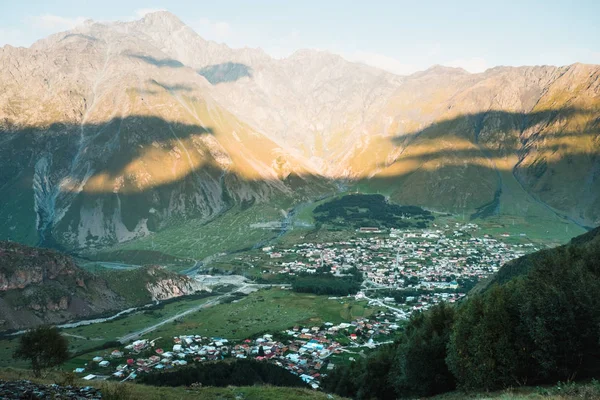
point(538, 328)
point(237, 373)
point(324, 283)
point(361, 210)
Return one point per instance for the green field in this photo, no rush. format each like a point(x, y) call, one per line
point(546, 231)
point(112, 330)
point(266, 310)
point(232, 231)
point(87, 337)
point(518, 212)
point(263, 311)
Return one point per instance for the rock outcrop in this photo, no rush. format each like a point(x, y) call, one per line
point(24, 266)
point(24, 389)
point(44, 286)
point(163, 285)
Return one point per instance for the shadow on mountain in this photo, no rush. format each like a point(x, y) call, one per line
point(226, 72)
point(474, 126)
point(80, 35)
point(160, 63)
point(161, 87)
point(215, 74)
point(492, 137)
point(141, 174)
point(470, 161)
point(136, 175)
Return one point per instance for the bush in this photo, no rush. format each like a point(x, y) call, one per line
point(116, 391)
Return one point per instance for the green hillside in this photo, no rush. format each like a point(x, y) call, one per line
point(583, 244)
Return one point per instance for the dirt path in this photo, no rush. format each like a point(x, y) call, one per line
point(134, 335)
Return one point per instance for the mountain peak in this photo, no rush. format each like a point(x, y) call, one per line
point(163, 18)
point(312, 54)
point(442, 69)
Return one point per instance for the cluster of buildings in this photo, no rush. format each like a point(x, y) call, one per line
point(404, 271)
point(304, 351)
point(444, 261)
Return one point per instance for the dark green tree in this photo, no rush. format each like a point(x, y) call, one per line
point(488, 349)
point(420, 364)
point(345, 380)
point(261, 352)
point(374, 380)
point(44, 347)
point(561, 315)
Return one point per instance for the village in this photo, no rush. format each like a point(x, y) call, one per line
point(429, 265)
point(308, 352)
point(403, 272)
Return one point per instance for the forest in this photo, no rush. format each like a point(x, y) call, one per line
point(370, 210)
point(541, 327)
point(326, 284)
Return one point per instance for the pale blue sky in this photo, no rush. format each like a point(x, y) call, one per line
point(401, 36)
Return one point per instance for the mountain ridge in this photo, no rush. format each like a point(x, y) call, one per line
point(113, 131)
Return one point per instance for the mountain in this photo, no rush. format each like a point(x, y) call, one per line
point(112, 131)
point(40, 286)
point(43, 286)
point(105, 139)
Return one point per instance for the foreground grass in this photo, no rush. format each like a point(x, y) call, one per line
point(561, 391)
point(131, 391)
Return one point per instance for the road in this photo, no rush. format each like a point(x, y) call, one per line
point(212, 302)
point(117, 265)
point(381, 303)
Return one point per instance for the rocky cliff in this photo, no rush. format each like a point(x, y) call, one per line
point(151, 283)
point(43, 286)
point(163, 285)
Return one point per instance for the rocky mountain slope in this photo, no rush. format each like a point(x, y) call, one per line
point(447, 138)
point(44, 286)
point(115, 130)
point(151, 283)
point(105, 139)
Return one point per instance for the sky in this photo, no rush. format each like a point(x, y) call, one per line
point(396, 35)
